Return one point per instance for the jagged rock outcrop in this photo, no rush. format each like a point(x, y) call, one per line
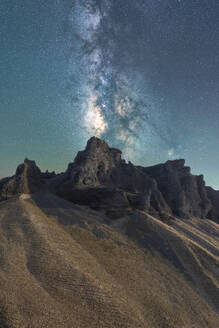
point(213, 196)
point(101, 179)
point(184, 193)
point(99, 176)
point(93, 166)
point(48, 175)
point(27, 180)
point(99, 173)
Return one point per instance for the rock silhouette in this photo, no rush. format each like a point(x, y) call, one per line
point(185, 193)
point(101, 179)
point(26, 180)
point(99, 175)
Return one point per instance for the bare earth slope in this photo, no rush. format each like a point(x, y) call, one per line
point(66, 265)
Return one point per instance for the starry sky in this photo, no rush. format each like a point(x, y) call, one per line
point(143, 75)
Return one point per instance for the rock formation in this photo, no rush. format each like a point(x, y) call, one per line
point(101, 179)
point(213, 196)
point(99, 175)
point(93, 166)
point(26, 180)
point(184, 193)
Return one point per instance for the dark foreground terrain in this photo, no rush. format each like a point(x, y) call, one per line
point(108, 244)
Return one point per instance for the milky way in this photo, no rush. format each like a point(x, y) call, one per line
point(116, 102)
point(132, 55)
point(143, 75)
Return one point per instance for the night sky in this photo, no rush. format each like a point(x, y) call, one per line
point(143, 75)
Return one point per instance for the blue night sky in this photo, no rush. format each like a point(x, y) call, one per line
point(143, 75)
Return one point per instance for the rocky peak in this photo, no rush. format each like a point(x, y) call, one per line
point(92, 166)
point(99, 171)
point(94, 143)
point(97, 150)
point(27, 180)
point(28, 168)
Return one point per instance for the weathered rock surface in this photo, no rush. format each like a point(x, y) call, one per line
point(93, 166)
point(99, 177)
point(162, 190)
point(213, 195)
point(184, 193)
point(26, 180)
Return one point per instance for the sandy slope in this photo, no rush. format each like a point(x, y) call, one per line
point(63, 265)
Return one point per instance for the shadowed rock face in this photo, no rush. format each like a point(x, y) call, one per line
point(48, 175)
point(99, 177)
point(163, 189)
point(93, 166)
point(184, 193)
point(213, 195)
point(27, 180)
point(2, 183)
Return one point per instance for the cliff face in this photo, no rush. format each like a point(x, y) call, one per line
point(213, 195)
point(101, 179)
point(185, 193)
point(2, 184)
point(93, 166)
